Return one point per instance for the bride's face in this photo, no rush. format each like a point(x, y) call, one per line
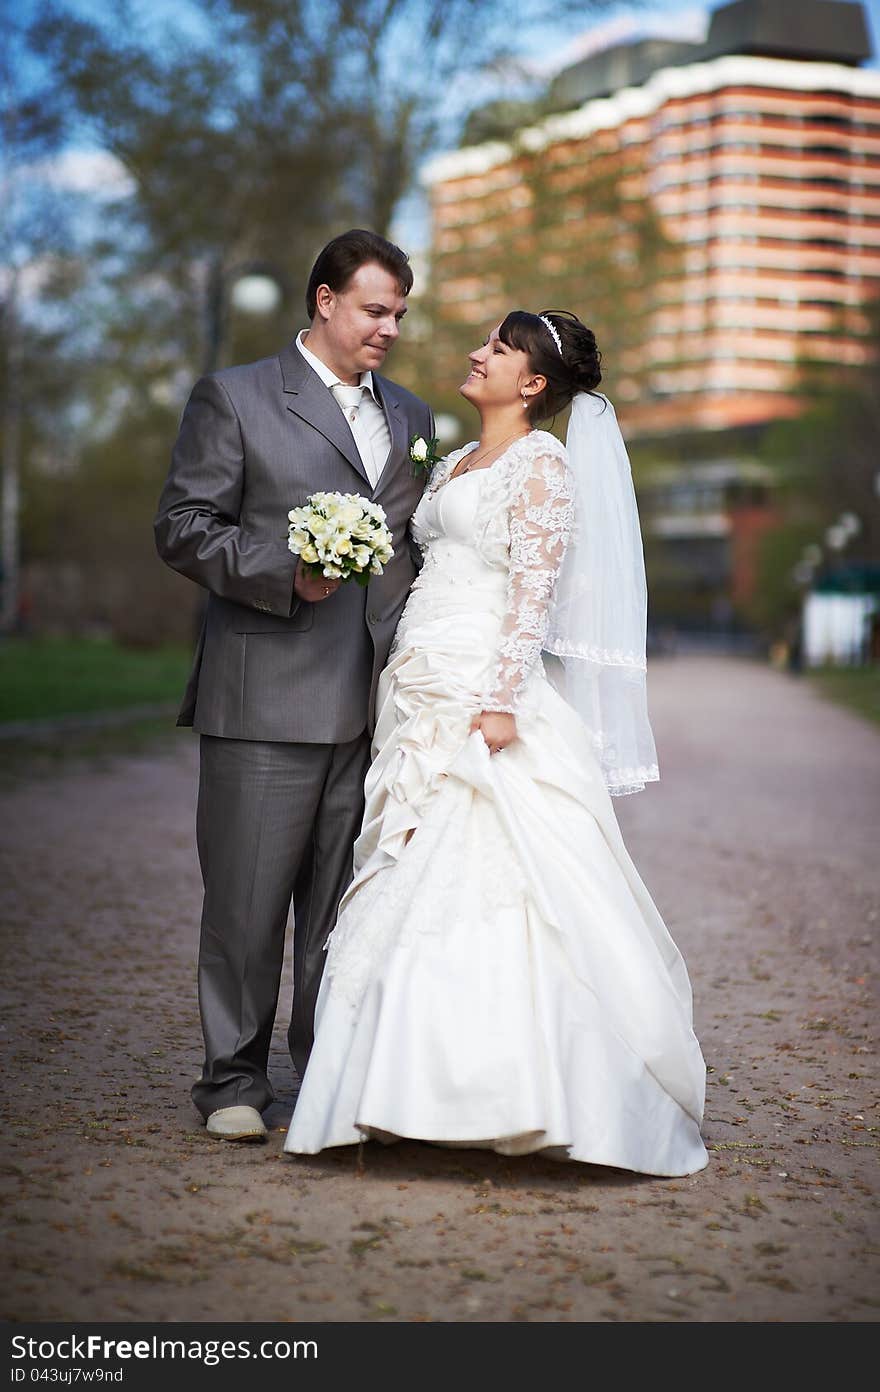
point(498, 374)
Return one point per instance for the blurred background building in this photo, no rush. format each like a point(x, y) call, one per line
point(738, 180)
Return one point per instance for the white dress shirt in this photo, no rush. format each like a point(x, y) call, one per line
point(368, 425)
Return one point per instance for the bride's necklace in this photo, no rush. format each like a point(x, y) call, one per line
point(473, 459)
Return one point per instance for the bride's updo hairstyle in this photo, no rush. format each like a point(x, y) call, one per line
point(573, 370)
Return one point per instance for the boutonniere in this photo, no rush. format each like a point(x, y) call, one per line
point(423, 454)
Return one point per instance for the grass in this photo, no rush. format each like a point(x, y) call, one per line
point(45, 677)
point(855, 687)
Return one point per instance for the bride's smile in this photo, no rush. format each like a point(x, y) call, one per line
point(499, 375)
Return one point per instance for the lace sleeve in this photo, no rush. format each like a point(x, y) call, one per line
point(541, 518)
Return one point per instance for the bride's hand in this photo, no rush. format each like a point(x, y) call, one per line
point(497, 728)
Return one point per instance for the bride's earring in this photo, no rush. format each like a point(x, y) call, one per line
point(525, 401)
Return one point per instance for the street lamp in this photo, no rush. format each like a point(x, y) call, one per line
point(256, 293)
point(253, 287)
point(446, 428)
point(841, 532)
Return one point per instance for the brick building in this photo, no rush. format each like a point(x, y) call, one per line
point(758, 153)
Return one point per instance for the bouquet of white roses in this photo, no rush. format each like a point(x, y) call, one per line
point(341, 536)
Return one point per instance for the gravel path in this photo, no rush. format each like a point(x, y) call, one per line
point(760, 848)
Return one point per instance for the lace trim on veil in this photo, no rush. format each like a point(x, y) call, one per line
point(606, 657)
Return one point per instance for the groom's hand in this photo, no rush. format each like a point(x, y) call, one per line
point(497, 728)
point(313, 588)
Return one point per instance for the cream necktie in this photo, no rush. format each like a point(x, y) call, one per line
point(349, 399)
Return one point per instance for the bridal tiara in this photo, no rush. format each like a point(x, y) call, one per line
point(556, 339)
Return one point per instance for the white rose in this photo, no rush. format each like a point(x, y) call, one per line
point(309, 555)
point(361, 556)
point(332, 572)
point(419, 450)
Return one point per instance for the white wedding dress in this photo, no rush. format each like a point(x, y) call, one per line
point(498, 975)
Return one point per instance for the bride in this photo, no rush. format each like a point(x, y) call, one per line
point(499, 976)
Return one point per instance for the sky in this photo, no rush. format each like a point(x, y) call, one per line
point(669, 19)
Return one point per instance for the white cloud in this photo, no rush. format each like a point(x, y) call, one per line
point(689, 25)
point(86, 171)
point(29, 280)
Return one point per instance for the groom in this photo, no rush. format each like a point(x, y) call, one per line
point(284, 681)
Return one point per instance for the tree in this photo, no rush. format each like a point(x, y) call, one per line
point(285, 121)
point(228, 143)
point(33, 265)
point(249, 131)
point(825, 462)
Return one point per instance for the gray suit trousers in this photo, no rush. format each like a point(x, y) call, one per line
point(276, 822)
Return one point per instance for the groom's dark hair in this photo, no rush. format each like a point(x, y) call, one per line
point(346, 253)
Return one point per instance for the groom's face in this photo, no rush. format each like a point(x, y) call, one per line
point(361, 323)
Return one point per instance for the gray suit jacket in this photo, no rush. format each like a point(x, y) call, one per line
point(254, 442)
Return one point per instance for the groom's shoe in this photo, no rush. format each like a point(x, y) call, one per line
point(236, 1124)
